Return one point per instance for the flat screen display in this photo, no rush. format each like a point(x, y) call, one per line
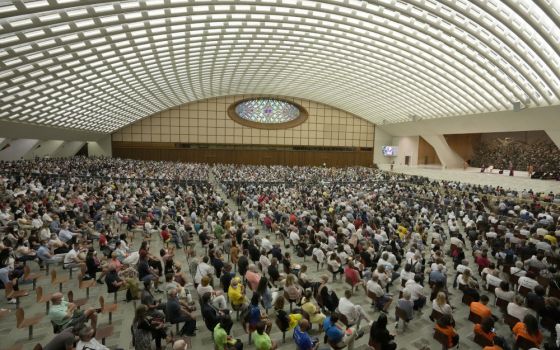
point(390, 151)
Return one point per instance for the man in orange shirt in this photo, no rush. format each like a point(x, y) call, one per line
point(499, 344)
point(480, 308)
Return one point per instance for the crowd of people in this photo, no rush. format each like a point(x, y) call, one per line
point(540, 156)
point(238, 256)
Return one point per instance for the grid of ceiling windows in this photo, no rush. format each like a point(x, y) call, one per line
point(102, 65)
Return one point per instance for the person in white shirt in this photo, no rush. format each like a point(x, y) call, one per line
point(503, 292)
point(440, 304)
point(516, 308)
point(354, 313)
point(87, 340)
point(382, 301)
point(266, 244)
point(65, 235)
point(416, 292)
point(493, 279)
point(203, 269)
point(527, 282)
point(264, 261)
point(319, 254)
point(518, 270)
point(294, 237)
point(71, 259)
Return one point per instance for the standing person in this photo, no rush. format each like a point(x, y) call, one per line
point(380, 335)
point(510, 168)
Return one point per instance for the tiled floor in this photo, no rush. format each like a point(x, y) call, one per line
point(418, 334)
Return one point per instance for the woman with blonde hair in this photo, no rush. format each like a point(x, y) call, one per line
point(440, 304)
point(314, 312)
point(218, 299)
point(292, 289)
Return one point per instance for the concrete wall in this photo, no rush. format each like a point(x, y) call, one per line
point(17, 148)
point(100, 148)
point(68, 149)
point(408, 146)
point(381, 139)
point(43, 149)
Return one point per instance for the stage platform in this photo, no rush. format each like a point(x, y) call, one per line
point(519, 182)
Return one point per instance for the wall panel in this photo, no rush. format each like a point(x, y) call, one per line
point(206, 121)
point(247, 155)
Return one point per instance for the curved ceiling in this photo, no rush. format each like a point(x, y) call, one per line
point(100, 65)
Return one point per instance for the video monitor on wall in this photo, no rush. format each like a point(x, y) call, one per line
point(390, 151)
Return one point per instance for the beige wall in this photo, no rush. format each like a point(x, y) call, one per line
point(206, 121)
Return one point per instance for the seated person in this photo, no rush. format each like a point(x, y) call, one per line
point(503, 292)
point(252, 277)
point(302, 339)
point(444, 325)
point(354, 313)
point(382, 300)
point(336, 334)
point(218, 300)
point(352, 275)
point(286, 321)
point(262, 340)
point(64, 314)
point(176, 314)
point(485, 329)
point(236, 294)
point(88, 341)
point(314, 312)
point(210, 315)
point(499, 343)
point(406, 305)
point(255, 316)
point(479, 307)
point(528, 329)
point(416, 291)
point(516, 308)
point(535, 299)
point(222, 340)
point(379, 334)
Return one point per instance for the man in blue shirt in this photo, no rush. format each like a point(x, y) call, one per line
point(336, 335)
point(301, 337)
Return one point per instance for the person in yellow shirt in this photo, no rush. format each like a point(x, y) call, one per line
point(236, 294)
point(552, 239)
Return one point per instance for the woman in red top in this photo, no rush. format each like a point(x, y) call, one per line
point(528, 329)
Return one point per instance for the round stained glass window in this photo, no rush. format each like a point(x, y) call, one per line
point(267, 113)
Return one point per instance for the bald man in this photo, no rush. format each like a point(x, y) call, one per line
point(180, 345)
point(65, 314)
